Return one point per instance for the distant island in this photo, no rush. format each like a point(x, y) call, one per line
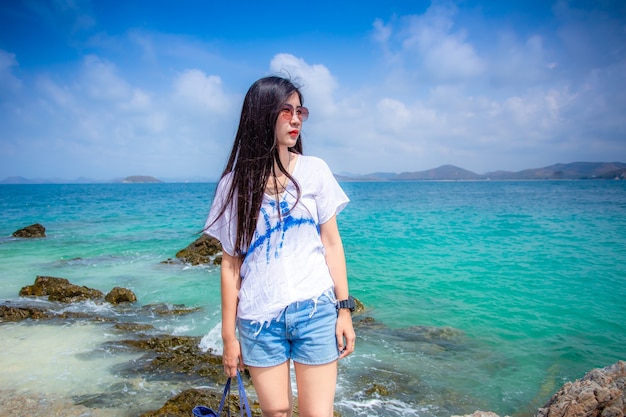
point(139, 179)
point(133, 179)
point(571, 171)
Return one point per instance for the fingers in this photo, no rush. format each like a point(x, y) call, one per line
point(346, 342)
point(346, 338)
point(348, 348)
point(230, 371)
point(232, 360)
point(340, 342)
point(231, 368)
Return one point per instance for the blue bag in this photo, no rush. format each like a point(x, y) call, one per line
point(202, 411)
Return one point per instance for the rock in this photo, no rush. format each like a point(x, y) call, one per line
point(8, 313)
point(120, 295)
point(368, 322)
point(377, 389)
point(164, 309)
point(59, 289)
point(600, 393)
point(181, 405)
point(133, 327)
point(20, 313)
point(32, 231)
point(178, 354)
point(201, 251)
point(358, 306)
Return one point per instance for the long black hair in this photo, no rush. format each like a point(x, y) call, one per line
point(254, 155)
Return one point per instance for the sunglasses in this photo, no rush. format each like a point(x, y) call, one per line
point(287, 112)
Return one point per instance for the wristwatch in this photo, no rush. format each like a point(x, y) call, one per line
point(349, 304)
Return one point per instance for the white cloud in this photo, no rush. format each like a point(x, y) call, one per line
point(394, 116)
point(100, 124)
point(382, 32)
point(61, 95)
point(101, 81)
point(8, 81)
point(138, 101)
point(431, 44)
point(453, 59)
point(437, 91)
point(203, 93)
point(144, 42)
point(319, 84)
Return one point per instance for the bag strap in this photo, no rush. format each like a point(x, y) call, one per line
point(243, 398)
point(223, 400)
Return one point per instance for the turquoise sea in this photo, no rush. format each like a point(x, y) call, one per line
point(485, 295)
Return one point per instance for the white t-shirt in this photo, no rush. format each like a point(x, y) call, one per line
point(285, 262)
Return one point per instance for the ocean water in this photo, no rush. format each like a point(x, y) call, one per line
point(479, 295)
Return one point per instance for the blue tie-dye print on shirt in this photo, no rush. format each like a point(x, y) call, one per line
point(284, 223)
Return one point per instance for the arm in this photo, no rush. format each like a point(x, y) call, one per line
point(230, 284)
point(336, 261)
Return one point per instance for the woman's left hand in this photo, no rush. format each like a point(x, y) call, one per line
point(346, 337)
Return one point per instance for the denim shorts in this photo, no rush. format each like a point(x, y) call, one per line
point(304, 332)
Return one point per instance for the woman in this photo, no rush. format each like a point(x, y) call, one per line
point(283, 274)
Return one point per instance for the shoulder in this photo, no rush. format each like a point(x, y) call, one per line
point(313, 162)
point(313, 173)
point(228, 177)
point(225, 181)
point(223, 188)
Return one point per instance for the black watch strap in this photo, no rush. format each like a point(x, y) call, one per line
point(349, 304)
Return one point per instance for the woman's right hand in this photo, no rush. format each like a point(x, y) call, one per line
point(230, 285)
point(231, 357)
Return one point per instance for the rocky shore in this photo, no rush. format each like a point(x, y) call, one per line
point(600, 393)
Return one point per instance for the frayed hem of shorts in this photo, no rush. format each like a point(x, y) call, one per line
point(315, 363)
point(308, 363)
point(264, 365)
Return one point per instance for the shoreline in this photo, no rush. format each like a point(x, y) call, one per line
point(150, 371)
point(515, 330)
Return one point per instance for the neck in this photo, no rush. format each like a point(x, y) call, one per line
point(285, 159)
point(277, 183)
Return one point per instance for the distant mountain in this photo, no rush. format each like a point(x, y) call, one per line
point(23, 180)
point(194, 179)
point(572, 171)
point(134, 179)
point(376, 176)
point(17, 180)
point(85, 180)
point(444, 172)
point(80, 180)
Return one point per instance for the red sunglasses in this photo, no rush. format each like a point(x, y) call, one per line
point(287, 112)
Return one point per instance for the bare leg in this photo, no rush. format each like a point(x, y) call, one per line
point(273, 388)
point(316, 389)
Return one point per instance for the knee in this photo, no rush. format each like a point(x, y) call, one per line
point(276, 412)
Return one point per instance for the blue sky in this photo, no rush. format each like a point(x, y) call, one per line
point(106, 89)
